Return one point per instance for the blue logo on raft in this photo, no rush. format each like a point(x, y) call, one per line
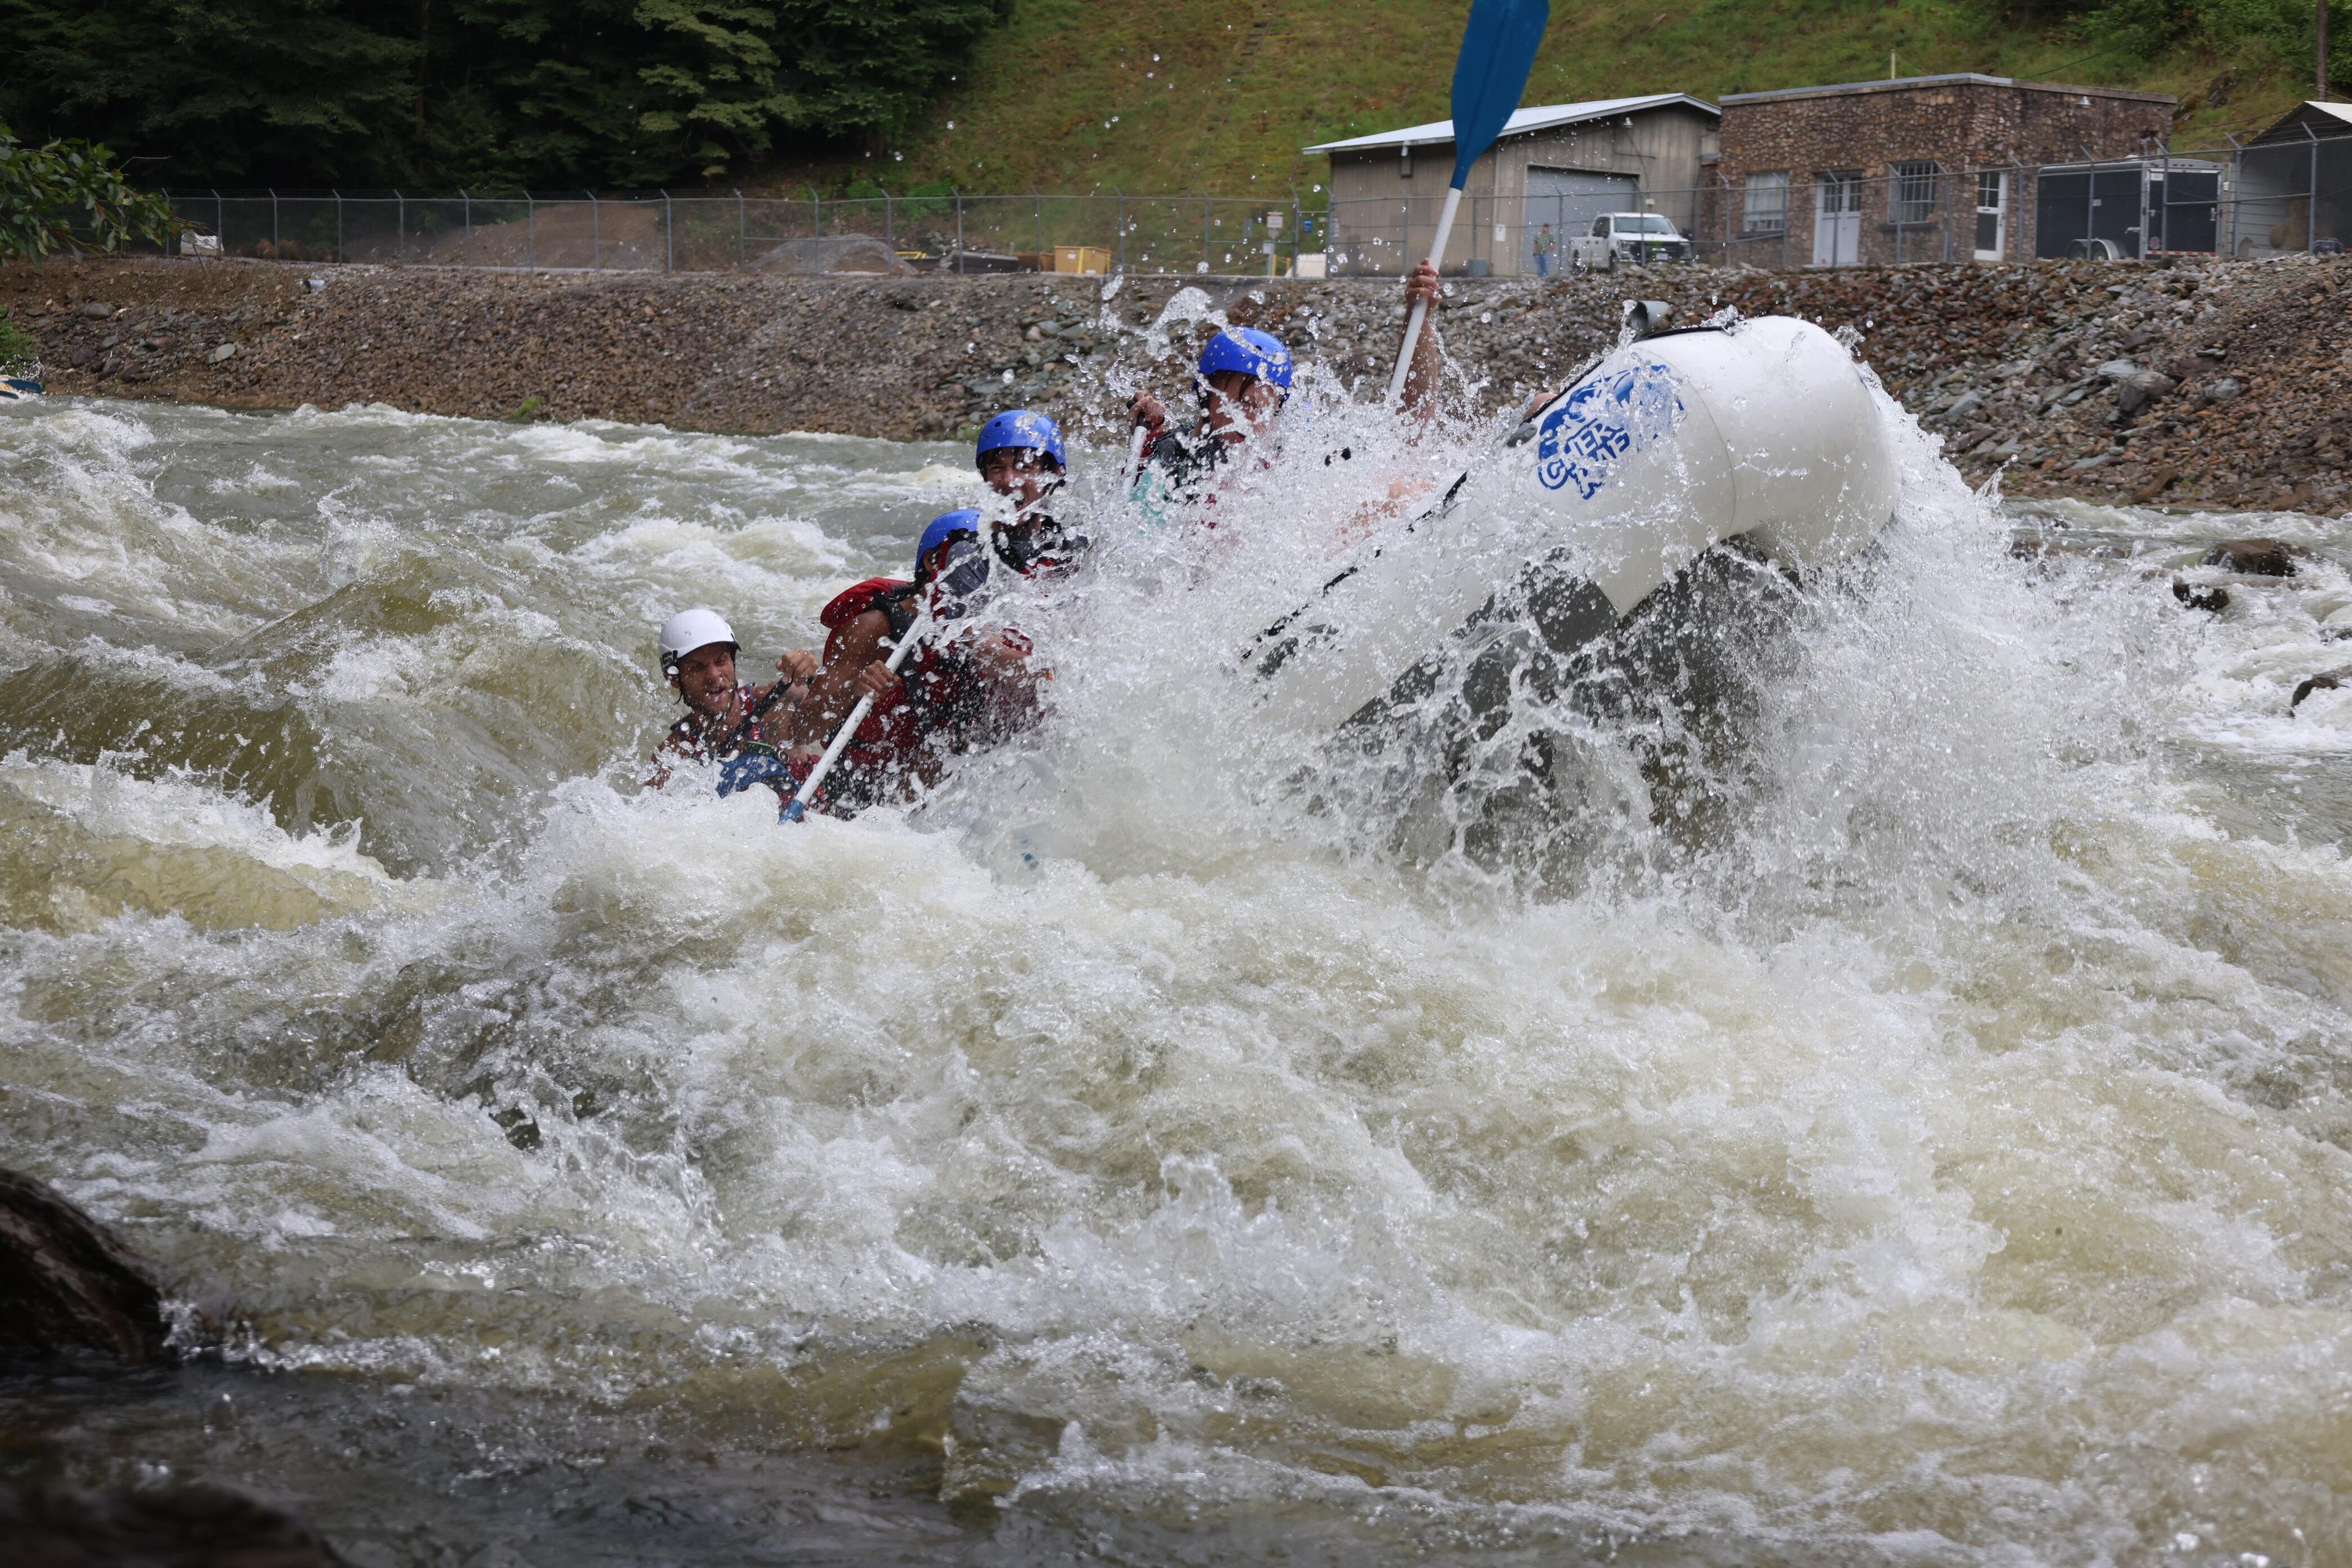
point(1585, 437)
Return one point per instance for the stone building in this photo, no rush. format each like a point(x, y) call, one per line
point(1559, 163)
point(1935, 168)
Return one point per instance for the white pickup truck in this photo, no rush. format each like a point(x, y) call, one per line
point(1632, 237)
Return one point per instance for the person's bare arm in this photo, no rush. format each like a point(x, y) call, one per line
point(1422, 376)
point(836, 687)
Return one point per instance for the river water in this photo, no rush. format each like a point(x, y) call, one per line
point(1913, 1128)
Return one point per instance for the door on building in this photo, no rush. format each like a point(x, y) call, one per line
point(1569, 200)
point(1837, 218)
point(1993, 214)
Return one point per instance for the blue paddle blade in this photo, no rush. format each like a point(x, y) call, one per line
point(1499, 49)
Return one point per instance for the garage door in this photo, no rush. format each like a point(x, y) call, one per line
point(1569, 199)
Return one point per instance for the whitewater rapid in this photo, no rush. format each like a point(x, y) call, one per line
point(1912, 1128)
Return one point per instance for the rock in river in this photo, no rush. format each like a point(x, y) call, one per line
point(2254, 557)
point(69, 1290)
point(182, 1526)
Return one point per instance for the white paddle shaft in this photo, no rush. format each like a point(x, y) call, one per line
point(1420, 307)
point(1134, 468)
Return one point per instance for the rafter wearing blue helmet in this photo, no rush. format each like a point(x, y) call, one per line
point(1021, 455)
point(1244, 378)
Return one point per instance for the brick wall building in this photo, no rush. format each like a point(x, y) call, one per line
point(1916, 169)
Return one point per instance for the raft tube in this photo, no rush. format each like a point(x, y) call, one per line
point(16, 388)
point(1766, 431)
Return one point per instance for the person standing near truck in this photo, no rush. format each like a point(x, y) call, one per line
point(1546, 242)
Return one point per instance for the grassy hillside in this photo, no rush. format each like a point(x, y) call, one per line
point(1183, 95)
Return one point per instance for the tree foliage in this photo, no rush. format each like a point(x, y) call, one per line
point(479, 94)
point(2143, 29)
point(68, 195)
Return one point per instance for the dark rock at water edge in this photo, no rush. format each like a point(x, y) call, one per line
point(2254, 557)
point(193, 1526)
point(70, 1292)
point(2325, 680)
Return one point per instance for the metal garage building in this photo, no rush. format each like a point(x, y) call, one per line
point(1557, 163)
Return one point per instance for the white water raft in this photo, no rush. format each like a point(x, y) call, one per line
point(1766, 431)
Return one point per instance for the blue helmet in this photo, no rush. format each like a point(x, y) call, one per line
point(1250, 351)
point(1023, 427)
point(944, 527)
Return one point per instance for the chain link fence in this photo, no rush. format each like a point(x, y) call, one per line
point(2255, 201)
point(2248, 202)
point(953, 233)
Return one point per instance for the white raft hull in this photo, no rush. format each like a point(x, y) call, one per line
point(1764, 431)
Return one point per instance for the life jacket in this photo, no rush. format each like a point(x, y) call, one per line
point(699, 738)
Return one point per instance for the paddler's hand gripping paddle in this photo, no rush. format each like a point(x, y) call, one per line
point(1499, 49)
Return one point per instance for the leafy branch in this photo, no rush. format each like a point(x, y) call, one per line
point(70, 196)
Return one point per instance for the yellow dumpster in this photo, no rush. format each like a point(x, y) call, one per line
point(1091, 258)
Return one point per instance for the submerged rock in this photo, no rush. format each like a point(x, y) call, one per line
point(2325, 680)
point(2254, 557)
point(69, 1290)
point(191, 1526)
point(2212, 600)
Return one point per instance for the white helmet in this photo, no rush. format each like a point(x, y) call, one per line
point(690, 629)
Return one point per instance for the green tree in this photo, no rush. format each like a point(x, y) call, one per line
point(68, 195)
point(476, 94)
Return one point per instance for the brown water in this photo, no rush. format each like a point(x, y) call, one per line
point(1915, 1133)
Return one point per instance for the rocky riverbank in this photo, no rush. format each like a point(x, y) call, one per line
point(2220, 383)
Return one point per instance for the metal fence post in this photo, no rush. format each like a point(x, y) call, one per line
point(669, 234)
point(1122, 227)
point(1208, 222)
point(2237, 188)
point(595, 234)
point(468, 252)
point(889, 223)
point(220, 223)
point(2311, 194)
point(2164, 212)
point(531, 230)
point(2142, 171)
point(276, 246)
point(1041, 226)
point(740, 252)
point(399, 228)
point(959, 210)
point(816, 215)
point(338, 226)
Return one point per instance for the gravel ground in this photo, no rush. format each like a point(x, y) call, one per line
point(2199, 383)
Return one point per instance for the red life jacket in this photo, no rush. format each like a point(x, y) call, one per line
point(941, 702)
point(890, 733)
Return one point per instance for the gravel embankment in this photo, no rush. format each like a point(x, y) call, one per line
point(2221, 383)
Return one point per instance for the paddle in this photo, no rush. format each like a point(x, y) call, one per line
point(1499, 49)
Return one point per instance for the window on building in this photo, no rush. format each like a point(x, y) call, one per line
point(1768, 200)
point(1915, 194)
